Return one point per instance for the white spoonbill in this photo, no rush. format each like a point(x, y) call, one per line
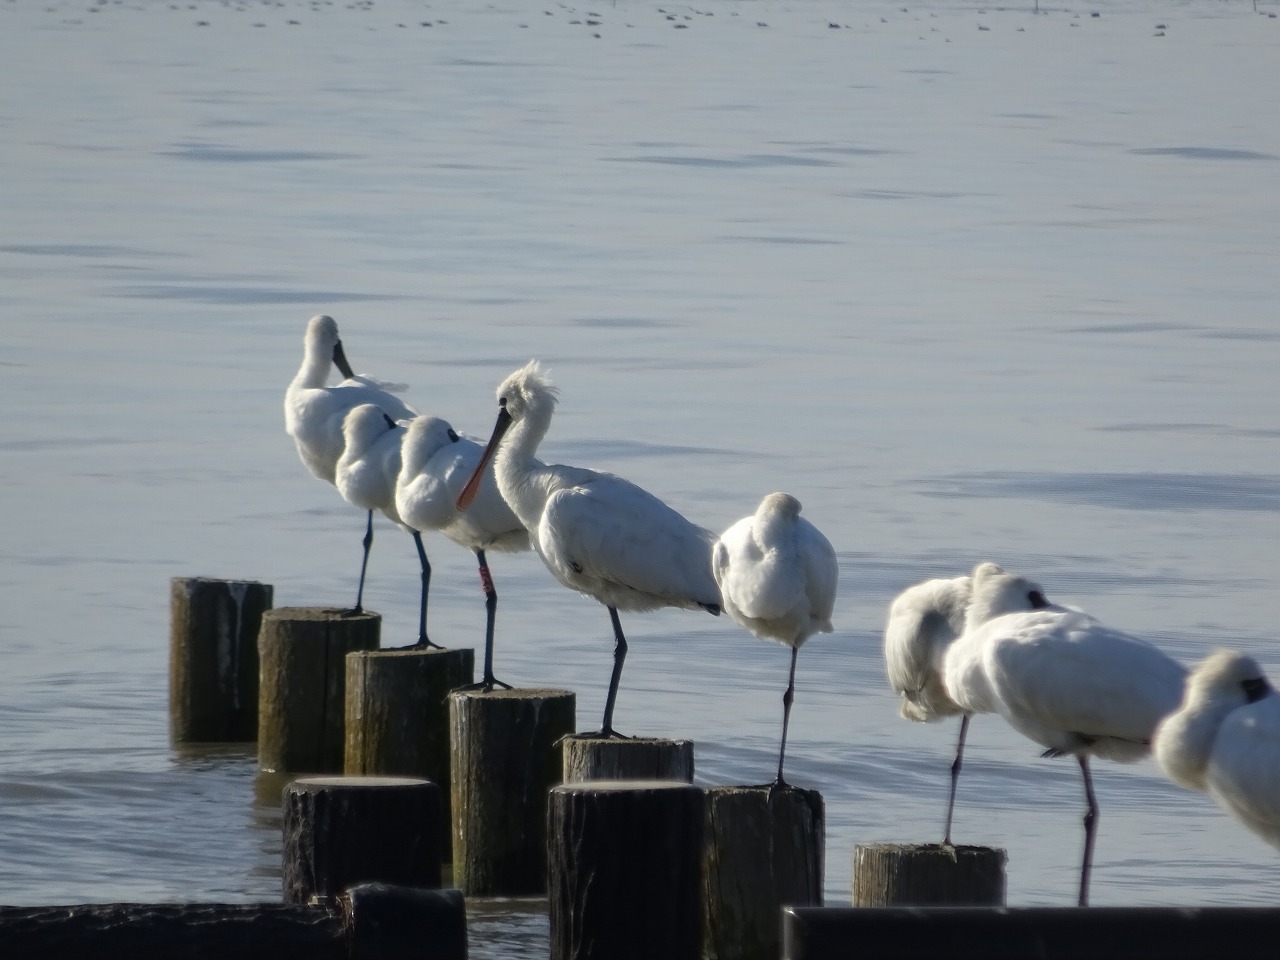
point(777, 575)
point(1064, 680)
point(923, 621)
point(596, 533)
point(1225, 739)
point(436, 463)
point(366, 472)
point(314, 412)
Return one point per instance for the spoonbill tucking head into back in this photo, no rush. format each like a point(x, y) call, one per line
point(1063, 679)
point(1225, 738)
point(924, 620)
point(366, 471)
point(777, 575)
point(314, 412)
point(436, 463)
point(596, 533)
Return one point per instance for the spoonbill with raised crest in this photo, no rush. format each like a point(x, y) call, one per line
point(597, 533)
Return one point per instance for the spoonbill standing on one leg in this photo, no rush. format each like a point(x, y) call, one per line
point(1225, 739)
point(597, 533)
point(1064, 680)
point(777, 575)
point(923, 621)
point(313, 412)
point(435, 465)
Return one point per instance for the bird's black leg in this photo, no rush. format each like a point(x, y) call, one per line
point(619, 656)
point(423, 643)
point(787, 698)
point(1090, 829)
point(955, 777)
point(364, 563)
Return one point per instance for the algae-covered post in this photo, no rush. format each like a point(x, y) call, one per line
point(506, 755)
point(301, 697)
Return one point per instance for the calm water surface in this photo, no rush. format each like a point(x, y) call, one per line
point(971, 283)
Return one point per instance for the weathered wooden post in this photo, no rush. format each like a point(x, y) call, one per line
point(927, 875)
point(397, 715)
point(373, 921)
point(213, 658)
point(623, 873)
point(302, 655)
point(341, 831)
point(588, 757)
point(506, 756)
point(763, 849)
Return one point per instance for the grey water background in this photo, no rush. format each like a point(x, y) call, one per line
point(970, 282)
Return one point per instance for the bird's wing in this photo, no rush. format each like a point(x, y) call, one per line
point(1063, 670)
point(821, 574)
point(610, 529)
point(1244, 769)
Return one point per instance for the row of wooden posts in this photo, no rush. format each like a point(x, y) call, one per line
point(633, 858)
point(635, 861)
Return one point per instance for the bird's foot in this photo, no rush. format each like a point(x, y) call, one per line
point(606, 734)
point(422, 644)
point(486, 685)
point(356, 611)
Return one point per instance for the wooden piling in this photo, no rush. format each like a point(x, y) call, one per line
point(302, 656)
point(506, 754)
point(213, 658)
point(1046, 933)
point(927, 875)
point(342, 831)
point(589, 757)
point(763, 849)
point(397, 716)
point(623, 873)
point(368, 922)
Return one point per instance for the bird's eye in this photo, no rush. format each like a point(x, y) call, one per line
point(1255, 688)
point(1037, 600)
point(453, 437)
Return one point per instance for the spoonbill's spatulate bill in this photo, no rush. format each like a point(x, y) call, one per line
point(1225, 739)
point(596, 533)
point(1064, 680)
point(314, 412)
point(366, 471)
point(924, 620)
point(436, 463)
point(777, 576)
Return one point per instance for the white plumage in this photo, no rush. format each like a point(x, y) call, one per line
point(436, 463)
point(1063, 679)
point(597, 533)
point(1225, 739)
point(777, 575)
point(314, 412)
